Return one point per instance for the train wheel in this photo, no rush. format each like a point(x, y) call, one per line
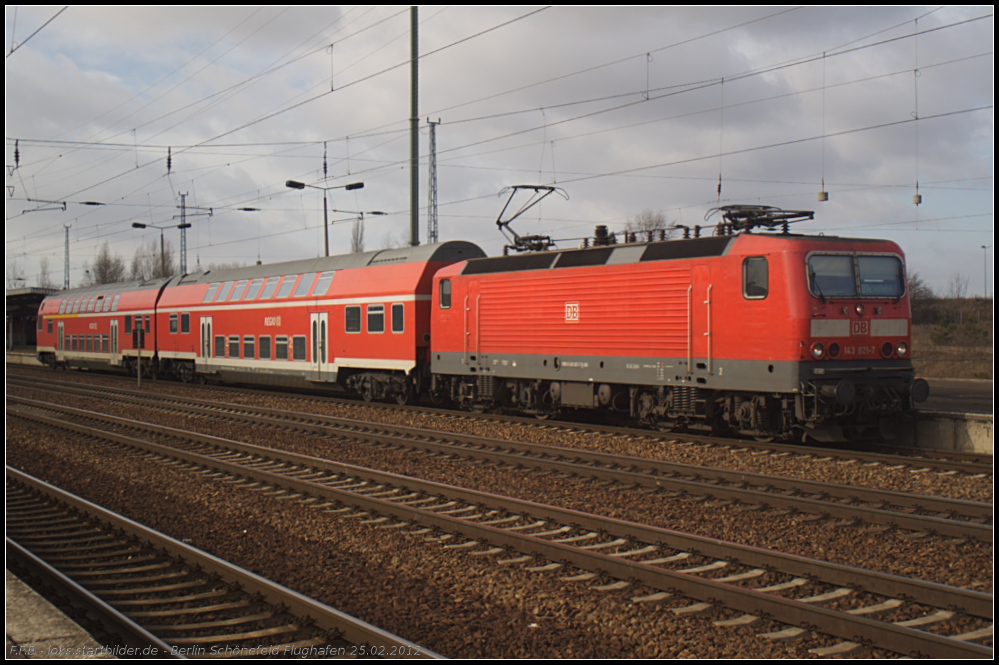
point(402, 397)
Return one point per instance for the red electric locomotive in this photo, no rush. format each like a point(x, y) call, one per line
point(766, 334)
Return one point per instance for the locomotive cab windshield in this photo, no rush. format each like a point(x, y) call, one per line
point(855, 276)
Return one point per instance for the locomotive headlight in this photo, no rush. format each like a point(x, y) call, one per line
point(859, 309)
point(817, 350)
point(902, 348)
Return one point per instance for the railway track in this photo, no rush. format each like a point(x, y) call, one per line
point(919, 513)
point(919, 460)
point(166, 598)
point(918, 618)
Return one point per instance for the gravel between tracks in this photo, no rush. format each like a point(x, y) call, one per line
point(460, 605)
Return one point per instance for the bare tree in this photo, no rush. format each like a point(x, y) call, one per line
point(958, 286)
point(108, 268)
point(13, 273)
point(153, 261)
point(918, 289)
point(648, 221)
point(45, 274)
point(357, 236)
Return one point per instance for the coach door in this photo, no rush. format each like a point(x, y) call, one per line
point(60, 344)
point(205, 357)
point(319, 334)
point(114, 349)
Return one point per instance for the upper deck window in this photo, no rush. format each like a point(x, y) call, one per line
point(304, 285)
point(323, 285)
point(286, 286)
point(855, 276)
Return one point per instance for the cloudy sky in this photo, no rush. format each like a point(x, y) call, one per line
point(624, 109)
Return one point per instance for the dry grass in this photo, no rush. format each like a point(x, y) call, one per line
point(953, 339)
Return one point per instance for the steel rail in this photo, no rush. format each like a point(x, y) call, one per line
point(328, 619)
point(895, 637)
point(662, 476)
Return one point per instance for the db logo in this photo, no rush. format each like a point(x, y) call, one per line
point(572, 311)
point(861, 328)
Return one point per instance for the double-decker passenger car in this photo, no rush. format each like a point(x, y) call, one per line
point(360, 321)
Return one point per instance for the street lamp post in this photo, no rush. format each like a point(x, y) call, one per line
point(294, 184)
point(139, 225)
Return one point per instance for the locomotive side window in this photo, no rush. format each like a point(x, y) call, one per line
point(352, 319)
point(755, 278)
point(880, 276)
point(398, 317)
point(376, 318)
point(831, 276)
point(323, 285)
point(445, 294)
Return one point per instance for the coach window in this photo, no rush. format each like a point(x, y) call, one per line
point(147, 324)
point(755, 278)
point(269, 287)
point(114, 303)
point(248, 348)
point(304, 285)
point(185, 323)
point(323, 285)
point(253, 289)
point(298, 347)
point(49, 323)
point(352, 319)
point(173, 323)
point(237, 291)
point(224, 292)
point(286, 286)
point(128, 325)
point(376, 318)
point(265, 347)
point(234, 346)
point(100, 303)
point(104, 343)
point(90, 305)
point(445, 294)
point(398, 317)
point(211, 292)
point(76, 306)
point(107, 304)
point(281, 347)
point(220, 346)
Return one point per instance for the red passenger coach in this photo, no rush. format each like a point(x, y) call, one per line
point(100, 327)
point(771, 335)
point(360, 321)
